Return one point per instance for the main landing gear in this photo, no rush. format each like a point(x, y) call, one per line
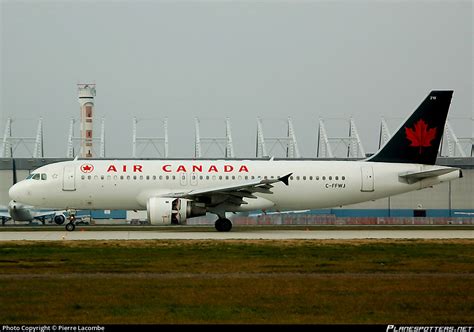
point(71, 225)
point(223, 224)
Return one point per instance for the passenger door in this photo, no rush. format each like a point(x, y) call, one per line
point(367, 174)
point(69, 181)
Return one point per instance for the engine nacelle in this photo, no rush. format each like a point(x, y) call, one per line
point(165, 211)
point(59, 219)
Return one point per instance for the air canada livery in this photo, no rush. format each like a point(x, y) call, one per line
point(174, 190)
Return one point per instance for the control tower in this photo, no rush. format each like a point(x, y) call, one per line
point(86, 101)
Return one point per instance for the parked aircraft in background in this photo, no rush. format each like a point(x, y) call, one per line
point(173, 190)
point(21, 212)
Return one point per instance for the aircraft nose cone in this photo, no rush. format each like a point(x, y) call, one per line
point(15, 192)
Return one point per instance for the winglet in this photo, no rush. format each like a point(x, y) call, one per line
point(285, 178)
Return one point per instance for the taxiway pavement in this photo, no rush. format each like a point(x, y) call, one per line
point(235, 235)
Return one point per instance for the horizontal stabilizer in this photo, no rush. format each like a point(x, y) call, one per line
point(412, 177)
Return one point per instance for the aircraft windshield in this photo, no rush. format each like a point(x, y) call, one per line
point(37, 176)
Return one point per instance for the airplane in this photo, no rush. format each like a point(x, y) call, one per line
point(174, 190)
point(21, 212)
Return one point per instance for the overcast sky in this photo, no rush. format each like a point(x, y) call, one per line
point(236, 59)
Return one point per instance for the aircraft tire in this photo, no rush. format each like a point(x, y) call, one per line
point(223, 225)
point(70, 226)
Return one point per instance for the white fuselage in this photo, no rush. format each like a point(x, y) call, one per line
point(128, 184)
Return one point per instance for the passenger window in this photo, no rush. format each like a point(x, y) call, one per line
point(330, 178)
point(109, 177)
point(317, 178)
point(324, 178)
point(227, 177)
point(141, 177)
point(297, 177)
point(161, 177)
point(128, 177)
point(115, 177)
point(154, 177)
point(311, 177)
point(134, 177)
point(121, 177)
point(147, 177)
point(102, 177)
point(167, 177)
point(304, 177)
point(337, 178)
point(343, 177)
point(83, 177)
point(96, 177)
point(89, 177)
point(174, 177)
point(291, 177)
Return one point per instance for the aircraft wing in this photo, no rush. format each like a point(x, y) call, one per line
point(4, 215)
point(233, 194)
point(44, 214)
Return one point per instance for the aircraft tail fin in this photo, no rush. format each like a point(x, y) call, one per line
point(417, 141)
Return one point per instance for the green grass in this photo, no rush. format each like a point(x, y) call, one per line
point(173, 281)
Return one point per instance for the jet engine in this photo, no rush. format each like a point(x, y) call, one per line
point(59, 219)
point(175, 211)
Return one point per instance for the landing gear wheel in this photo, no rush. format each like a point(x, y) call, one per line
point(70, 226)
point(223, 225)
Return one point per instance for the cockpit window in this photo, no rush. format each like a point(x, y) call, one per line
point(30, 176)
point(36, 176)
point(43, 176)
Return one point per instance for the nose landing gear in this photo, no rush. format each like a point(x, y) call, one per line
point(71, 225)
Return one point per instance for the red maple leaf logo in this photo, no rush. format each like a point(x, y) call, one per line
point(87, 168)
point(421, 136)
